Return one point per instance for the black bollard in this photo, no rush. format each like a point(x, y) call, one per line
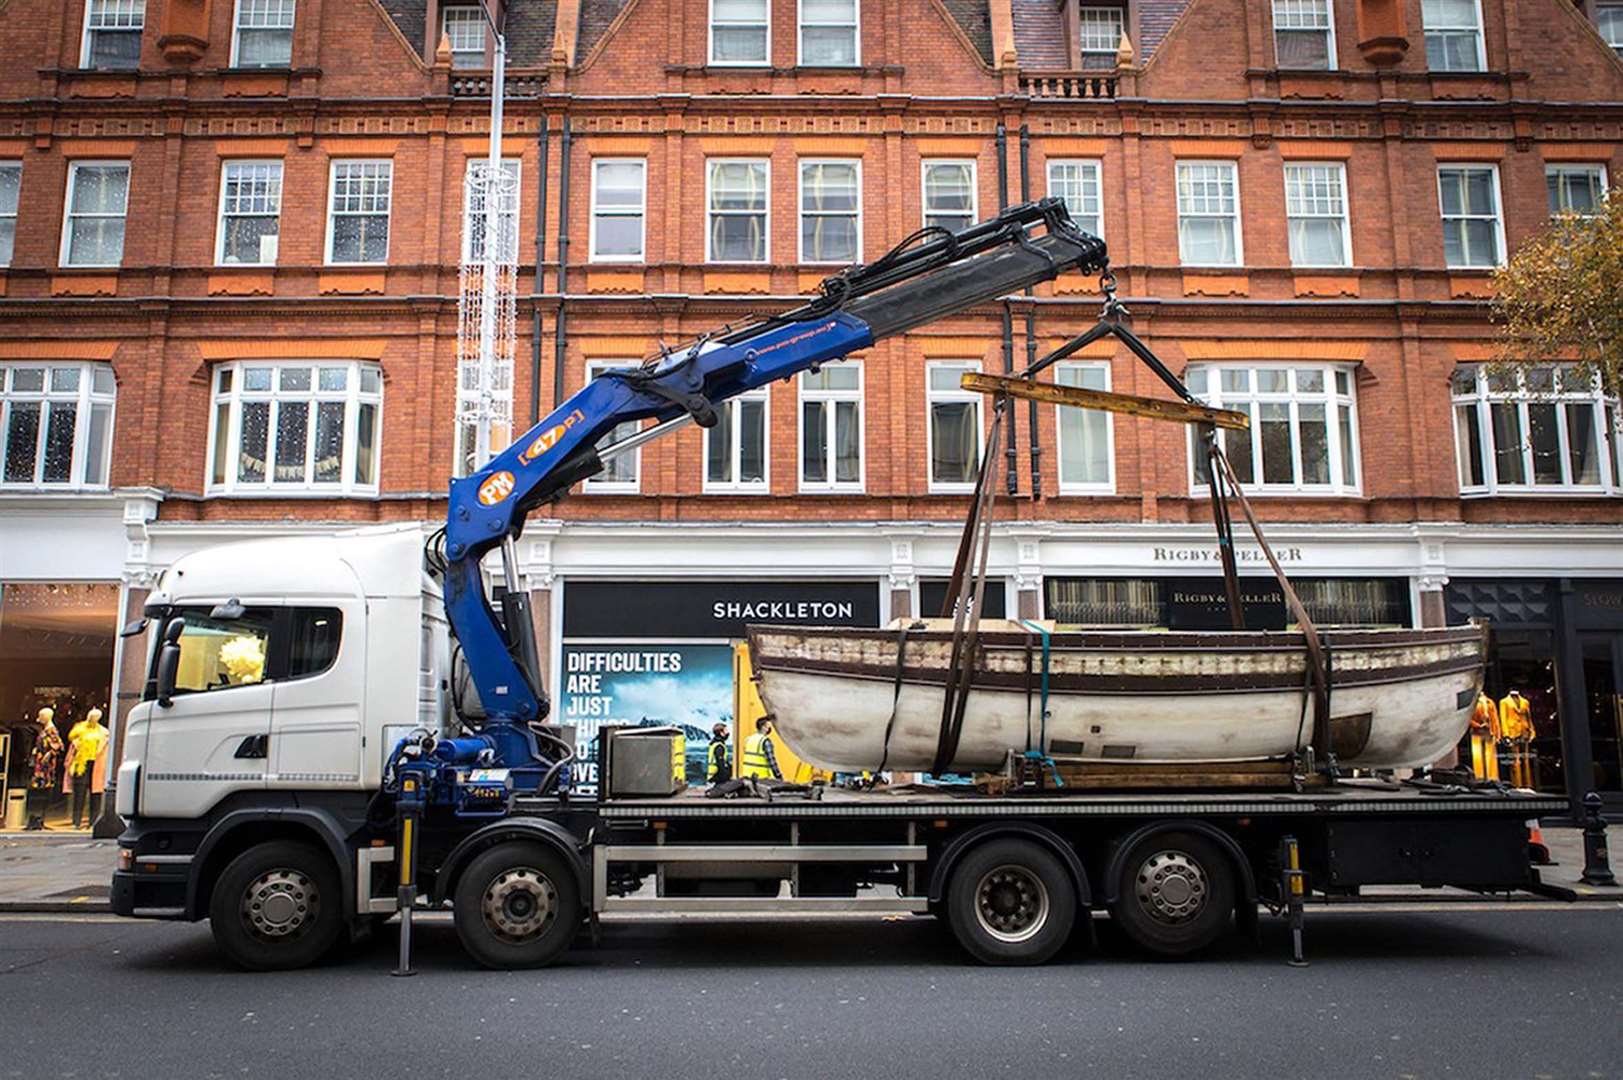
point(1597, 868)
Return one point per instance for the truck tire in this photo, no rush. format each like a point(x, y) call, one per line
point(1175, 895)
point(1011, 902)
point(277, 906)
point(517, 906)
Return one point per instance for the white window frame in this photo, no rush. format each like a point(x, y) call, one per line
point(1083, 52)
point(1253, 398)
point(332, 214)
point(1483, 396)
point(709, 209)
point(934, 397)
point(710, 36)
point(1478, 30)
point(1333, 58)
point(801, 211)
point(1340, 170)
point(1616, 24)
point(352, 396)
point(762, 486)
point(84, 38)
point(236, 37)
point(12, 166)
point(65, 252)
point(1107, 486)
point(220, 216)
point(516, 165)
point(83, 397)
point(926, 164)
point(620, 211)
point(1239, 222)
point(594, 486)
point(800, 33)
point(1593, 167)
point(446, 12)
point(1498, 214)
point(1098, 169)
point(828, 399)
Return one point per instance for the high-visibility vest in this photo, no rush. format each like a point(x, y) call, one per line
point(719, 768)
point(753, 761)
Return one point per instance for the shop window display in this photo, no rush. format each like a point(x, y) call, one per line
point(1514, 734)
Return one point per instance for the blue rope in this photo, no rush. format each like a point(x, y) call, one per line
point(1038, 755)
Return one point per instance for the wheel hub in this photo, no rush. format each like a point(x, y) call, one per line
point(1172, 886)
point(519, 904)
point(1011, 903)
point(279, 903)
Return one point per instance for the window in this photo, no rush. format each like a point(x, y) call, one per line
point(831, 428)
point(1101, 29)
point(250, 213)
point(295, 426)
point(1085, 456)
point(735, 449)
point(465, 27)
point(113, 34)
point(737, 198)
point(1304, 427)
point(1316, 214)
point(1469, 196)
point(222, 654)
point(1574, 189)
point(619, 208)
point(1453, 35)
point(11, 183)
point(830, 211)
point(98, 194)
point(1304, 34)
point(619, 473)
point(1609, 20)
point(1209, 214)
point(1077, 182)
point(316, 634)
point(739, 32)
point(1543, 429)
point(56, 424)
point(954, 431)
point(264, 34)
point(949, 194)
point(475, 191)
point(828, 33)
point(358, 217)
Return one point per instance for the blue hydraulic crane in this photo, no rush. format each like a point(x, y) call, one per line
point(932, 274)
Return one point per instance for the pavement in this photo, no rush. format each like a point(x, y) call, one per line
point(1467, 991)
point(59, 871)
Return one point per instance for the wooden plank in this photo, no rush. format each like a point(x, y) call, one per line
point(1130, 404)
point(1124, 776)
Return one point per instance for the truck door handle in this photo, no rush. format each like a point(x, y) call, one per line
point(254, 746)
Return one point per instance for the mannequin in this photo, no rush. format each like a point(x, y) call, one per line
point(46, 759)
point(87, 744)
point(1516, 726)
point(1485, 738)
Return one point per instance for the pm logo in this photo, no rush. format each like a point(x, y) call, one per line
point(497, 488)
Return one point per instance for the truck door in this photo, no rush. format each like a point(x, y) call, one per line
point(212, 740)
point(316, 728)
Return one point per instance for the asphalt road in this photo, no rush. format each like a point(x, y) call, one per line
point(1473, 993)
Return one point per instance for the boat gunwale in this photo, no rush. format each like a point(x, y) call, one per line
point(1224, 641)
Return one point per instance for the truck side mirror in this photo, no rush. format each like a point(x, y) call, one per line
point(169, 662)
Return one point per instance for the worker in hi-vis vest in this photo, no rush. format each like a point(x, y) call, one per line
point(721, 763)
point(758, 758)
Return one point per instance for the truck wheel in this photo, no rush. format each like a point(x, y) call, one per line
point(1175, 895)
point(1011, 902)
point(277, 906)
point(517, 906)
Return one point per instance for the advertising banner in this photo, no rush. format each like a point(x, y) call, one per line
point(644, 684)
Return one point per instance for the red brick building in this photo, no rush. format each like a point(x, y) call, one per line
point(228, 306)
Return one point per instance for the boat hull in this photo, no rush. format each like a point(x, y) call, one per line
point(1399, 698)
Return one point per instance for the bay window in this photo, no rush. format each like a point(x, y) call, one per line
point(1304, 427)
point(735, 449)
point(953, 432)
point(620, 473)
point(56, 424)
point(1209, 214)
point(830, 211)
point(263, 34)
point(1077, 184)
point(831, 428)
point(736, 194)
point(1085, 457)
point(280, 427)
point(1538, 430)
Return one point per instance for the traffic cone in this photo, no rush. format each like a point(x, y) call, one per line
point(1538, 852)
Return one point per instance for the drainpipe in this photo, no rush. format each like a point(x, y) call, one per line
point(1012, 459)
point(1031, 324)
point(543, 145)
point(561, 330)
